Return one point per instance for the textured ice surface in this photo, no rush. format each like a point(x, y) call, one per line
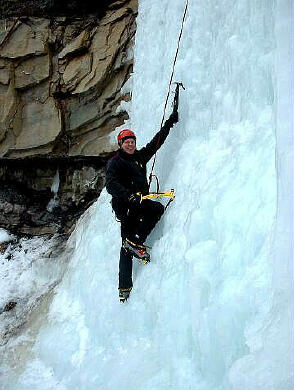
point(212, 311)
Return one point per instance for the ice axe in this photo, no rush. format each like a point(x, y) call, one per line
point(177, 93)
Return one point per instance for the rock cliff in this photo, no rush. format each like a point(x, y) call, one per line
point(62, 72)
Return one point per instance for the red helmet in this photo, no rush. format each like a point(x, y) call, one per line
point(125, 134)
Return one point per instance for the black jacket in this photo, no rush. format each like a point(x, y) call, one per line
point(126, 173)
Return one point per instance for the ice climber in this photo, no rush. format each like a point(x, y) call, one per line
point(126, 180)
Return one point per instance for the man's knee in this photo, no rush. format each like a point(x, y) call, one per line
point(159, 209)
point(155, 211)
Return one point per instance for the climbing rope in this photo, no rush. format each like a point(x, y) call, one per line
point(169, 86)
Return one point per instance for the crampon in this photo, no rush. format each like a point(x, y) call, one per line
point(138, 250)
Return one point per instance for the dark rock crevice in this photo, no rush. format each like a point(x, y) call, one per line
point(29, 206)
point(45, 8)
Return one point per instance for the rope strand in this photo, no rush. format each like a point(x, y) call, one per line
point(169, 86)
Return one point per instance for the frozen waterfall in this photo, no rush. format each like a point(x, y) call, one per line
point(212, 311)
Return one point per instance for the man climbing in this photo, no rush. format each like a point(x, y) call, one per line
point(126, 181)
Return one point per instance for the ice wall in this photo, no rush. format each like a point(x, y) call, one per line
point(212, 311)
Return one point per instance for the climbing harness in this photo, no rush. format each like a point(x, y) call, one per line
point(175, 107)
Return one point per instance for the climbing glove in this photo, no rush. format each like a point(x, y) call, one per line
point(135, 199)
point(174, 116)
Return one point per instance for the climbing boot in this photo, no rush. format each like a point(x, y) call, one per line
point(124, 294)
point(138, 250)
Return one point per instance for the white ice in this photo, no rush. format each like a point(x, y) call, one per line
point(54, 189)
point(5, 236)
point(213, 309)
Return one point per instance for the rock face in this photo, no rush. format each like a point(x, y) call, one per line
point(63, 66)
point(40, 197)
point(61, 81)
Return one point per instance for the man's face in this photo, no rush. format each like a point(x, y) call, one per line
point(129, 146)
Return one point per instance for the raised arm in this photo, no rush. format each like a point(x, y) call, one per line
point(150, 149)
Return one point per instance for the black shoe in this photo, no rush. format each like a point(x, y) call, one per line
point(138, 250)
point(124, 294)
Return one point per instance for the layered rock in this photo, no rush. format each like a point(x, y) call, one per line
point(61, 81)
point(62, 73)
point(57, 7)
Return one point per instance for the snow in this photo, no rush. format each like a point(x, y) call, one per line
point(5, 236)
point(54, 189)
point(29, 270)
point(213, 309)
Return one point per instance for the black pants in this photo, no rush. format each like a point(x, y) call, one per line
point(136, 225)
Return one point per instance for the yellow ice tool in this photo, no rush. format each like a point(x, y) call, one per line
point(170, 194)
